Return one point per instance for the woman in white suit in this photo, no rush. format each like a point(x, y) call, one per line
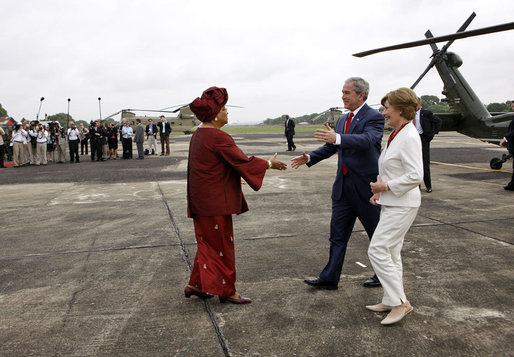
point(400, 168)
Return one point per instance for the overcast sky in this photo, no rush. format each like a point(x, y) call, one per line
point(274, 57)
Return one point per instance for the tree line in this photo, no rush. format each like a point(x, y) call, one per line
point(430, 102)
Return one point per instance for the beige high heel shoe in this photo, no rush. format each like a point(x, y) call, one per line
point(397, 314)
point(379, 307)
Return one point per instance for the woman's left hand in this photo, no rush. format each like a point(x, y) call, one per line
point(373, 200)
point(377, 187)
point(277, 164)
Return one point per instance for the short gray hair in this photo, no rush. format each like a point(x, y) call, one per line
point(360, 85)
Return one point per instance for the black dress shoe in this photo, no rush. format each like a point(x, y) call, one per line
point(372, 282)
point(509, 188)
point(429, 189)
point(319, 283)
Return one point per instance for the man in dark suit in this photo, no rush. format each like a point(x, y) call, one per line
point(139, 139)
point(357, 140)
point(164, 130)
point(289, 133)
point(151, 135)
point(427, 125)
point(509, 139)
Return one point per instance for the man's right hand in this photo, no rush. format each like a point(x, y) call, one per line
point(298, 161)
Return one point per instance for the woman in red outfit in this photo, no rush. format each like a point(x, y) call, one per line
point(215, 169)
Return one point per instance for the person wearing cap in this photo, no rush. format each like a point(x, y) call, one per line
point(215, 169)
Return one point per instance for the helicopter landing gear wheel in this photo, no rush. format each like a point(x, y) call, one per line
point(496, 163)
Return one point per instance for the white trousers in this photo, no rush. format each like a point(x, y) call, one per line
point(32, 153)
point(152, 144)
point(18, 154)
point(385, 250)
point(41, 153)
point(61, 150)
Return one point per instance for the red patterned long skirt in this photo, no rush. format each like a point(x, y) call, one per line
point(214, 268)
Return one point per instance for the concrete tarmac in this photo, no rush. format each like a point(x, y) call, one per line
point(94, 258)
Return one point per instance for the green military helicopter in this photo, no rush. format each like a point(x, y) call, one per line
point(185, 121)
point(468, 115)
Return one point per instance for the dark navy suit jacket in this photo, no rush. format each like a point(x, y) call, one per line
point(430, 123)
point(359, 149)
point(510, 137)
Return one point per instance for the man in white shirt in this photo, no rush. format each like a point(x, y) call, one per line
point(164, 133)
point(18, 140)
point(73, 135)
point(41, 141)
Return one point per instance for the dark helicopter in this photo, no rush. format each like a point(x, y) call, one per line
point(468, 115)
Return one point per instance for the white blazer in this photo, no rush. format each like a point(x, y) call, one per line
point(401, 166)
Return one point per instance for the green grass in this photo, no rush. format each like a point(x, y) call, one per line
point(250, 129)
point(255, 129)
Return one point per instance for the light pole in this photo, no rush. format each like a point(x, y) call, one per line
point(40, 103)
point(68, 122)
point(100, 107)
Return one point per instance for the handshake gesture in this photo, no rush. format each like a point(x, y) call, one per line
point(275, 164)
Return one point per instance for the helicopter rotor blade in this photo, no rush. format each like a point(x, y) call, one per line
point(174, 106)
point(429, 67)
point(482, 31)
point(437, 58)
point(178, 109)
point(461, 29)
point(110, 116)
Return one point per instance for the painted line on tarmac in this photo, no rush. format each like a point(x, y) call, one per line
point(85, 251)
point(185, 253)
point(461, 142)
point(458, 226)
point(467, 167)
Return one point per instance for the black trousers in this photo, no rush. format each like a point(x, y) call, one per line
point(2, 154)
point(127, 148)
point(83, 144)
point(290, 142)
point(74, 150)
point(99, 149)
point(425, 150)
point(511, 183)
point(352, 205)
point(94, 144)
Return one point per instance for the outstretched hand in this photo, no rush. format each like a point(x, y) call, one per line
point(298, 161)
point(277, 164)
point(326, 136)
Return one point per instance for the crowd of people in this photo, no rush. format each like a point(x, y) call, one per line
point(35, 143)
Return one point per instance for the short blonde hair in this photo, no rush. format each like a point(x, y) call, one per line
point(403, 99)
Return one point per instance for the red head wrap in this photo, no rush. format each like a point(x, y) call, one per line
point(209, 105)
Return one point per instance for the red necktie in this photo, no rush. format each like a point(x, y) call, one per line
point(347, 125)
